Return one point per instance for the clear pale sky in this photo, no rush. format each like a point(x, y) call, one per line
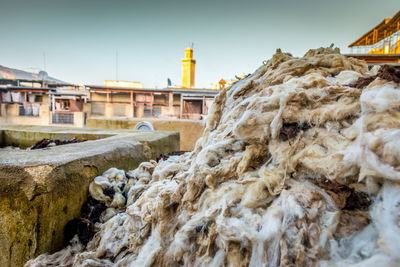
point(80, 37)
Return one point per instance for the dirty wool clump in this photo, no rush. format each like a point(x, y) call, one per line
point(298, 165)
point(50, 143)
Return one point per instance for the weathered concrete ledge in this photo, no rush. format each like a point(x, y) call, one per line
point(190, 130)
point(41, 190)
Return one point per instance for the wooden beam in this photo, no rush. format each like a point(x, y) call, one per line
point(181, 108)
point(171, 99)
point(202, 106)
point(131, 98)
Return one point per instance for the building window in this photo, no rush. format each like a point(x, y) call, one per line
point(62, 104)
point(28, 111)
point(97, 109)
point(63, 118)
point(119, 110)
point(161, 99)
point(147, 112)
point(192, 106)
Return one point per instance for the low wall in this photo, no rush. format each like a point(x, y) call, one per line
point(27, 138)
point(189, 130)
point(41, 190)
point(3, 113)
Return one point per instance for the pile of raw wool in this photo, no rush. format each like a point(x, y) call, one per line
point(299, 164)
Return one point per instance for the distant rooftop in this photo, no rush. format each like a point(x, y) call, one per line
point(15, 74)
point(123, 84)
point(168, 89)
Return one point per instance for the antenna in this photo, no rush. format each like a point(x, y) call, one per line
point(192, 45)
point(116, 64)
point(44, 61)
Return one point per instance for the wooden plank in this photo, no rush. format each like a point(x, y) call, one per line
point(131, 98)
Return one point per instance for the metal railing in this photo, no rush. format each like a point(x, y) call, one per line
point(62, 118)
point(390, 43)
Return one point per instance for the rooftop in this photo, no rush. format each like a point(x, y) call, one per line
point(384, 29)
point(169, 89)
point(15, 74)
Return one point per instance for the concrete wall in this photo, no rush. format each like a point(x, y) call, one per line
point(108, 113)
point(189, 130)
point(87, 108)
point(130, 110)
point(3, 113)
point(121, 97)
point(79, 119)
point(41, 190)
point(98, 97)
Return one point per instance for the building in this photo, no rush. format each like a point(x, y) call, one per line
point(37, 99)
point(223, 83)
point(29, 98)
point(381, 44)
point(176, 103)
point(188, 69)
point(130, 99)
point(123, 84)
point(220, 85)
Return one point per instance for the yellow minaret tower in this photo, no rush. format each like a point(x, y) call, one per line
point(188, 69)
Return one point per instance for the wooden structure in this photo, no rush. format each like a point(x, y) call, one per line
point(381, 44)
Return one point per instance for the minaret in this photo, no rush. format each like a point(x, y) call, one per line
point(188, 69)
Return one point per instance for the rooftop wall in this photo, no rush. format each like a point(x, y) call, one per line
point(190, 131)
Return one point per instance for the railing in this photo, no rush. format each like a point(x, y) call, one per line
point(63, 118)
point(28, 111)
point(388, 45)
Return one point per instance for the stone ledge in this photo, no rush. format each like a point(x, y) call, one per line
point(40, 190)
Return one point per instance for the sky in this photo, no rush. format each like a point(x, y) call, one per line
point(79, 41)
